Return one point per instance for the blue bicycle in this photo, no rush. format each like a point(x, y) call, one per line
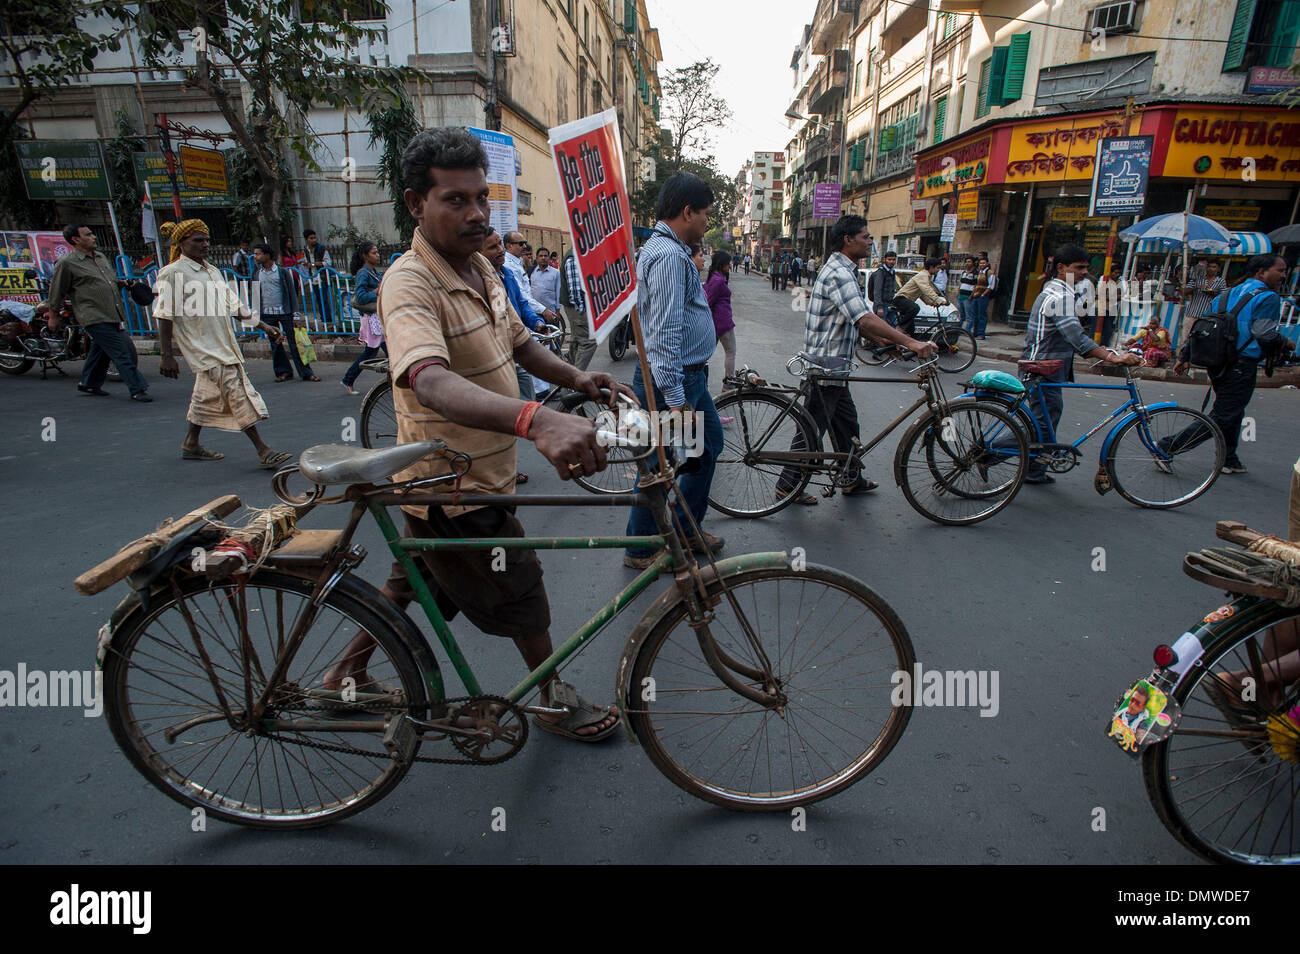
point(1156, 455)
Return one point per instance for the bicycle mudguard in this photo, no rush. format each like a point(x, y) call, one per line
point(666, 601)
point(1119, 426)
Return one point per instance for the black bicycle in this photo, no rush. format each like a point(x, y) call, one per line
point(945, 465)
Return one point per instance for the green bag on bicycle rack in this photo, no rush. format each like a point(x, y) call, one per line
point(991, 380)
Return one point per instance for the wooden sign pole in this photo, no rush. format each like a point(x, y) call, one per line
point(651, 406)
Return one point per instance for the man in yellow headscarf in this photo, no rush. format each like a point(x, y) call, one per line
point(195, 306)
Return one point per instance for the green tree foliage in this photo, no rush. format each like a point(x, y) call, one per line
point(291, 55)
point(692, 110)
point(395, 125)
point(127, 195)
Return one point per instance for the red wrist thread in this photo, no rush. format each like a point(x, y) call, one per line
point(525, 418)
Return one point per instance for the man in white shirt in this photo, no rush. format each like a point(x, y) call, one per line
point(546, 281)
point(514, 265)
point(195, 305)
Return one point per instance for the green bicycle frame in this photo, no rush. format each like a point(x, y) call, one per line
point(403, 549)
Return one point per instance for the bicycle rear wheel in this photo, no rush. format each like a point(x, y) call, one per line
point(1226, 783)
point(378, 416)
point(1169, 459)
point(166, 715)
point(957, 348)
point(743, 484)
point(963, 468)
point(834, 646)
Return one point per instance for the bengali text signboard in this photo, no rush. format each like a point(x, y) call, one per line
point(67, 169)
point(589, 161)
point(151, 167)
point(826, 200)
point(204, 169)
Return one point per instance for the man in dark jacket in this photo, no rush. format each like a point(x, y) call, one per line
point(882, 286)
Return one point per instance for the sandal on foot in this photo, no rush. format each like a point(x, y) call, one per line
point(580, 715)
point(521, 478)
point(281, 378)
point(273, 459)
point(311, 377)
point(200, 453)
point(862, 487)
point(805, 500)
point(369, 694)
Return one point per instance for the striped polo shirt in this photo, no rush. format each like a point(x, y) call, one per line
point(428, 312)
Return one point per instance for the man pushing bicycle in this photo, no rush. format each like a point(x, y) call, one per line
point(837, 314)
point(453, 341)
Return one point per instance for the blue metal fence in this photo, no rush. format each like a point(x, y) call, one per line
point(326, 299)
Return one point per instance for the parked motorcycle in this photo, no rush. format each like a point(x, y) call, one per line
point(620, 338)
point(28, 339)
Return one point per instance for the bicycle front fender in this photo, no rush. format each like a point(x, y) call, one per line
point(669, 599)
point(1119, 426)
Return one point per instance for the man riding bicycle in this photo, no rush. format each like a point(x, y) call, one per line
point(920, 285)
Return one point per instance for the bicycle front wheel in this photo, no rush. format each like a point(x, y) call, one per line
point(1166, 460)
point(290, 769)
point(619, 475)
point(834, 646)
point(957, 348)
point(869, 352)
point(378, 416)
point(745, 484)
point(964, 467)
point(1227, 782)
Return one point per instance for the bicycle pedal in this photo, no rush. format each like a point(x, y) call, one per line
point(400, 738)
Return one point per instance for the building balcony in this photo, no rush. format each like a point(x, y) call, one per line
point(830, 83)
point(893, 163)
point(903, 21)
point(830, 18)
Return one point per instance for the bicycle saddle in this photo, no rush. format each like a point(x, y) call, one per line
point(339, 464)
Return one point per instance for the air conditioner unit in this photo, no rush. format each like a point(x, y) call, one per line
point(1115, 17)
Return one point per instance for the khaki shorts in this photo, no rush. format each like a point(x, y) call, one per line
point(501, 602)
point(225, 398)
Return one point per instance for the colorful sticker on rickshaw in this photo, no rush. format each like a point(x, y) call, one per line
point(1145, 715)
point(1223, 612)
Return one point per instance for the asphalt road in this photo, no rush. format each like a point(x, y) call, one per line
point(1015, 594)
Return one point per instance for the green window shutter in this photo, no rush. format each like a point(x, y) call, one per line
point(940, 116)
point(629, 16)
point(1285, 34)
point(1239, 34)
point(1013, 83)
point(997, 74)
point(982, 100)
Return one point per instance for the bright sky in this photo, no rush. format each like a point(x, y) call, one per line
point(753, 43)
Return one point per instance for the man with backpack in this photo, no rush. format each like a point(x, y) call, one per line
point(1229, 341)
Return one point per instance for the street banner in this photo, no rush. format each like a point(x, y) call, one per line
point(1119, 178)
point(826, 200)
point(16, 250)
point(148, 227)
point(502, 198)
point(589, 161)
point(63, 169)
point(16, 286)
point(48, 248)
point(948, 231)
point(203, 170)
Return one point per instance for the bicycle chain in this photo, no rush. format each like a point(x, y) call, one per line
point(353, 750)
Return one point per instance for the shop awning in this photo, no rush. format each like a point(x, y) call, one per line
point(1246, 243)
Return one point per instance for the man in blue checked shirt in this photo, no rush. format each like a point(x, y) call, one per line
point(679, 339)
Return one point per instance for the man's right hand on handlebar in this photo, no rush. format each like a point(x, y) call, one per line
point(569, 442)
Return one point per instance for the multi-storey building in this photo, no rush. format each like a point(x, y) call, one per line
point(569, 58)
point(1014, 154)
